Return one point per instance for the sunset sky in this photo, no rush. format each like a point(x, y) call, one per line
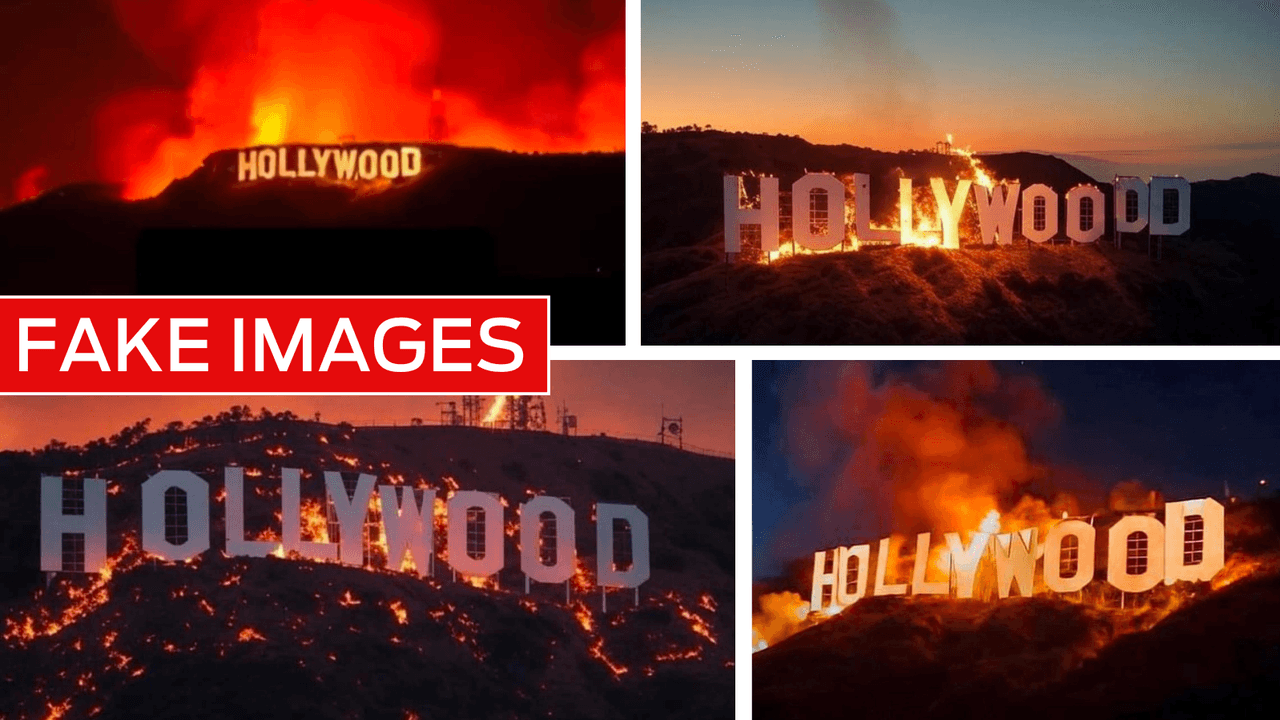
point(1176, 87)
point(621, 398)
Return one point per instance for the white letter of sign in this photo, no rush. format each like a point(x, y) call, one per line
point(1074, 229)
point(802, 224)
point(531, 536)
point(906, 233)
point(1179, 544)
point(888, 553)
point(389, 164)
point(1173, 187)
point(1123, 187)
point(247, 165)
point(862, 213)
point(409, 527)
point(1086, 537)
point(266, 170)
point(863, 555)
point(351, 512)
point(233, 479)
point(918, 584)
point(735, 216)
point(606, 575)
point(1117, 553)
point(153, 514)
point(949, 212)
point(491, 561)
point(54, 524)
point(302, 164)
point(410, 161)
point(1050, 228)
point(823, 579)
point(368, 164)
point(996, 208)
point(1016, 561)
point(283, 162)
point(964, 561)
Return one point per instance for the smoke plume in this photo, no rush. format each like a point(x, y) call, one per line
point(933, 450)
point(889, 87)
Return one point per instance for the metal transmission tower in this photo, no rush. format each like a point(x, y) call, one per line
point(472, 409)
point(449, 413)
point(526, 412)
point(673, 427)
point(537, 413)
point(566, 421)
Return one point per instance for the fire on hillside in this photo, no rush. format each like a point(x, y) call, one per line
point(301, 603)
point(819, 216)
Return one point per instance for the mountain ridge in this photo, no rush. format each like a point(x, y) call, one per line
point(1210, 286)
point(271, 635)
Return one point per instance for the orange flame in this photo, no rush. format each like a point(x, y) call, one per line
point(397, 609)
point(329, 71)
point(496, 408)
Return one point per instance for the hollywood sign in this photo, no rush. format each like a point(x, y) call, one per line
point(407, 526)
point(1141, 553)
point(1163, 205)
point(326, 162)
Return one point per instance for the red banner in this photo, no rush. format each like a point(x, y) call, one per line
point(275, 345)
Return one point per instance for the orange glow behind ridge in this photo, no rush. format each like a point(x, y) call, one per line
point(332, 71)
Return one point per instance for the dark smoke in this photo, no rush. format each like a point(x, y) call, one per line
point(933, 449)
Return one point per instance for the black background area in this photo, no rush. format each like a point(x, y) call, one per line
point(368, 261)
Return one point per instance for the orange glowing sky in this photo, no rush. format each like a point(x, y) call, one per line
point(1182, 87)
point(139, 92)
point(620, 398)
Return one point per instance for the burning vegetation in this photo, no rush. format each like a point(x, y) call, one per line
point(1197, 647)
point(921, 215)
point(292, 633)
point(1028, 293)
point(946, 450)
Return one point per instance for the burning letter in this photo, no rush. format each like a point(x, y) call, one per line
point(888, 551)
point(735, 216)
point(964, 561)
point(408, 526)
point(1016, 561)
point(918, 584)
